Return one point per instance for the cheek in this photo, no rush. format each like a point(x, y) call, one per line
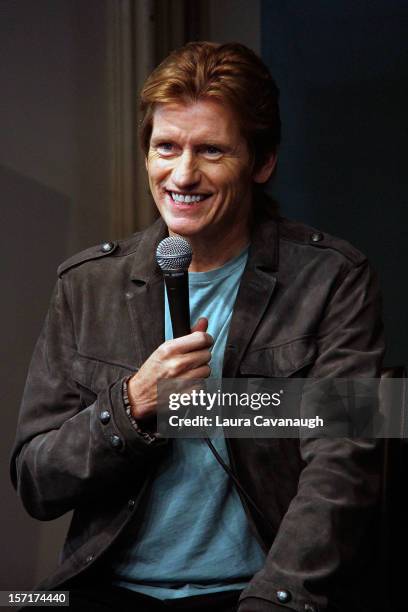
point(231, 186)
point(221, 177)
point(158, 169)
point(154, 173)
point(230, 175)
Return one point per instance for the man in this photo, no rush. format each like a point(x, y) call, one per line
point(278, 524)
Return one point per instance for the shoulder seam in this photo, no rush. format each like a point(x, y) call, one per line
point(95, 252)
point(300, 233)
point(354, 260)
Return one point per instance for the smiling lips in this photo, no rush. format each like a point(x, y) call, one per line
point(184, 198)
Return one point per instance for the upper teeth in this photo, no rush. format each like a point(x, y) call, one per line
point(178, 197)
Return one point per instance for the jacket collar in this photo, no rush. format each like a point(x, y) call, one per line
point(145, 266)
point(264, 251)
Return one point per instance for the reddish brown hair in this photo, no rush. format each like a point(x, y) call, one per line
point(229, 73)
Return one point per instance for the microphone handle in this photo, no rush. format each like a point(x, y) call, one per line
point(179, 304)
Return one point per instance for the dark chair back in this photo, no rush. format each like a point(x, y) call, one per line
point(393, 572)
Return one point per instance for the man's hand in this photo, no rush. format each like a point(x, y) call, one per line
point(186, 357)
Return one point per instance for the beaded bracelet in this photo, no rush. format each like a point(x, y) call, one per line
point(145, 434)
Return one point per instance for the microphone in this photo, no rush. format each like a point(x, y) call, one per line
point(174, 255)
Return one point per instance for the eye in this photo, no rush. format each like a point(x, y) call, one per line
point(165, 148)
point(212, 151)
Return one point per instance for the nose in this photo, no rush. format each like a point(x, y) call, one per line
point(186, 173)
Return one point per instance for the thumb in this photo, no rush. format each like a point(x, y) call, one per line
point(201, 325)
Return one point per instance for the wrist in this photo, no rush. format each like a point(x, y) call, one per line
point(140, 407)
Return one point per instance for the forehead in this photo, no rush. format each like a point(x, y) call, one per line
point(196, 121)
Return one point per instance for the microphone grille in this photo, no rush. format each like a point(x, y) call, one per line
point(174, 253)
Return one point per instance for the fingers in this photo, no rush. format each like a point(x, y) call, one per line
point(201, 372)
point(190, 361)
point(195, 341)
point(201, 325)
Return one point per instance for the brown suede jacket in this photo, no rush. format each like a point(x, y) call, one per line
point(308, 305)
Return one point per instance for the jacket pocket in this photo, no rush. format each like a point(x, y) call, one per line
point(93, 376)
point(280, 360)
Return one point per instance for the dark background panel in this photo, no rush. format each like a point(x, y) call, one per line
point(342, 69)
point(52, 185)
point(34, 219)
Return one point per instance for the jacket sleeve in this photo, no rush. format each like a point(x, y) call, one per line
point(320, 543)
point(66, 452)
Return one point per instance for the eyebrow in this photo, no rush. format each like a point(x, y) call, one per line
point(155, 140)
point(161, 138)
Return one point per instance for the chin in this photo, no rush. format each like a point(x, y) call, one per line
point(182, 229)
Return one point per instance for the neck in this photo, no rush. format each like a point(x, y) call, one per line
point(212, 253)
point(203, 262)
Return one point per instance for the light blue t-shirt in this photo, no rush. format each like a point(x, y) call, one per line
point(194, 538)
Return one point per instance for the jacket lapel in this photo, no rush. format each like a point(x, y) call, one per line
point(146, 298)
point(257, 286)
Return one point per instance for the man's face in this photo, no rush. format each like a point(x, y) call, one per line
point(199, 170)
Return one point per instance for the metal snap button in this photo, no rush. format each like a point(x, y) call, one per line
point(115, 441)
point(316, 237)
point(107, 247)
point(283, 596)
point(104, 416)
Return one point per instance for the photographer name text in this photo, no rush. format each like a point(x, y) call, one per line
point(202, 421)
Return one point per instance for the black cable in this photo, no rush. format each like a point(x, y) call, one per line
point(235, 480)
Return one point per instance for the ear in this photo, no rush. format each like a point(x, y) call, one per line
point(265, 172)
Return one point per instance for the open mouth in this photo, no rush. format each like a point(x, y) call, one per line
point(187, 198)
